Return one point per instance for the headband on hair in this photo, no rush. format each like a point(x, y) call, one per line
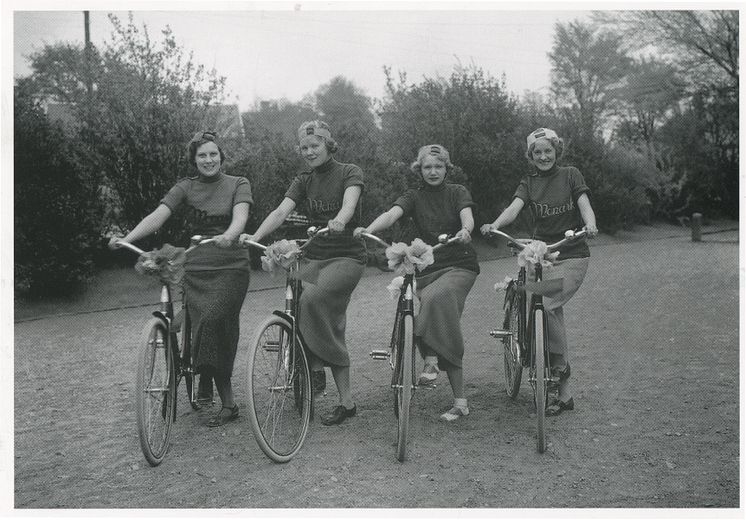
point(207, 135)
point(436, 150)
point(313, 129)
point(540, 133)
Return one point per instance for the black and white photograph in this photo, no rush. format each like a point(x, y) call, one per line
point(371, 259)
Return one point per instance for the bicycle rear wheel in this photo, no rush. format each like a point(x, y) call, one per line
point(279, 388)
point(155, 392)
point(403, 391)
point(187, 362)
point(513, 322)
point(540, 387)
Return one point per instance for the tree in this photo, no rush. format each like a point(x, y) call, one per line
point(348, 112)
point(473, 116)
point(58, 208)
point(147, 100)
point(649, 94)
point(585, 64)
point(702, 44)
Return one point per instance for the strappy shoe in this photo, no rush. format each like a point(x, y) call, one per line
point(454, 413)
point(225, 415)
point(428, 375)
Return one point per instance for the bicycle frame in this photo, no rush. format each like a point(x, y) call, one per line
point(530, 335)
point(182, 358)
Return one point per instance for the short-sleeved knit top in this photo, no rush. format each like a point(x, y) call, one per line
point(319, 193)
point(436, 210)
point(207, 206)
point(552, 199)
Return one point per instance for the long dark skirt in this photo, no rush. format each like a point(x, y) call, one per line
point(437, 327)
point(214, 300)
point(323, 306)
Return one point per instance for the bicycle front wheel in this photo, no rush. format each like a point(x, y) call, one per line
point(155, 392)
point(403, 390)
point(540, 388)
point(513, 367)
point(279, 388)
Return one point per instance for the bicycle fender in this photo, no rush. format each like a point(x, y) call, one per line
point(162, 316)
point(291, 320)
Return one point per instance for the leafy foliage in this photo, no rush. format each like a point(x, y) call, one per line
point(473, 116)
point(58, 209)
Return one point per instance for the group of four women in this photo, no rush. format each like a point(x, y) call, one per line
point(329, 193)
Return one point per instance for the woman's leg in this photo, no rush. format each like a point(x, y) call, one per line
point(342, 380)
point(346, 408)
point(225, 391)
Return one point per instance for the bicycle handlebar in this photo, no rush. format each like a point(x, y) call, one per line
point(443, 240)
point(131, 247)
point(570, 236)
point(312, 232)
point(196, 241)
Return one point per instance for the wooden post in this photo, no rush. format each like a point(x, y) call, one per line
point(696, 227)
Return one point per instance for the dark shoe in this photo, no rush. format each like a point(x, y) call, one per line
point(338, 415)
point(225, 415)
point(556, 407)
point(318, 381)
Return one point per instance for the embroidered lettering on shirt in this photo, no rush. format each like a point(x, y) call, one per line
point(545, 210)
point(196, 216)
point(323, 206)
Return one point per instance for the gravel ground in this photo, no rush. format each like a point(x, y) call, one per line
point(654, 338)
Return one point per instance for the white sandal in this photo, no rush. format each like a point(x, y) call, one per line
point(454, 413)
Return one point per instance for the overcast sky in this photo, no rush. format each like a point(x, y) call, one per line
point(282, 52)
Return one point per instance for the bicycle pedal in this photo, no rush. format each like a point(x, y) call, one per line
point(497, 333)
point(271, 346)
point(380, 354)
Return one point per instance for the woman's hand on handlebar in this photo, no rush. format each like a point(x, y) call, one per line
point(244, 238)
point(114, 243)
point(487, 228)
point(335, 226)
point(223, 241)
point(591, 230)
point(358, 232)
point(464, 236)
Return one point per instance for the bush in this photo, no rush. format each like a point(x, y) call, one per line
point(58, 208)
point(620, 188)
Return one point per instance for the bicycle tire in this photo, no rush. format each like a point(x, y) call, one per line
point(512, 365)
point(187, 362)
point(403, 391)
point(540, 388)
point(279, 390)
point(155, 392)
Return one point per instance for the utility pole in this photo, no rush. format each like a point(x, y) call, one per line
point(87, 52)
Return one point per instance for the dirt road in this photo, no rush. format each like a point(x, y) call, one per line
point(654, 339)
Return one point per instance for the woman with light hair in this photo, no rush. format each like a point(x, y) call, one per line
point(438, 207)
point(329, 192)
point(558, 199)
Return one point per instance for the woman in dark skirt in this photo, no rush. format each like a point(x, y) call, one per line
point(333, 264)
point(217, 274)
point(439, 207)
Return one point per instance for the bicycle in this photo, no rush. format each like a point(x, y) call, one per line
point(161, 364)
point(279, 377)
point(524, 328)
point(401, 353)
